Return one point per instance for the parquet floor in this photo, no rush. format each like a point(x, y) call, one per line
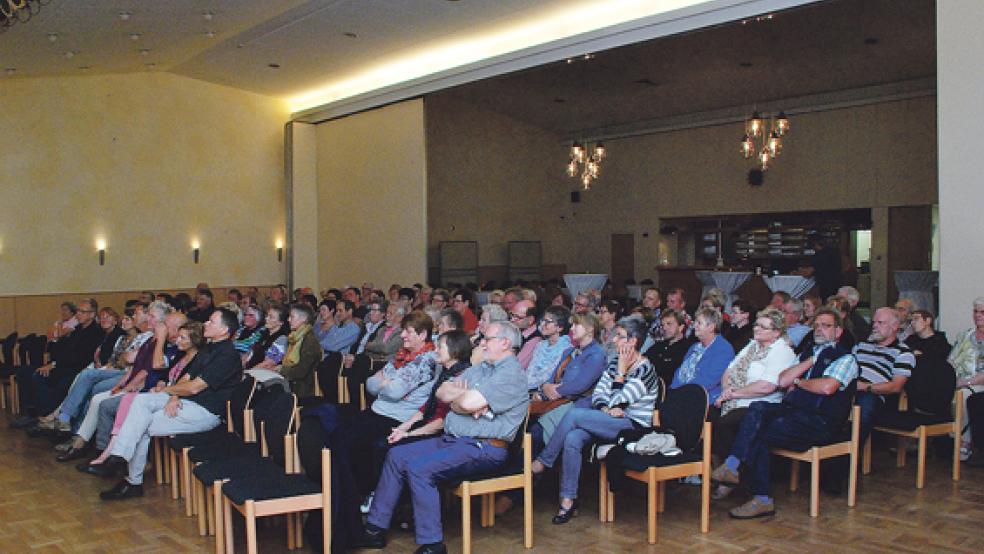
point(47, 507)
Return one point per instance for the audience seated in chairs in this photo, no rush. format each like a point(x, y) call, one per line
point(43, 388)
point(624, 398)
point(488, 405)
point(885, 365)
point(335, 329)
point(268, 352)
point(252, 329)
point(523, 316)
point(811, 413)
point(739, 330)
point(795, 329)
point(753, 376)
point(609, 312)
point(303, 352)
point(194, 404)
point(707, 358)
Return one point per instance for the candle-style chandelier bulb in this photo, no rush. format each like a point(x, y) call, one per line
point(577, 152)
point(775, 144)
point(764, 158)
point(599, 152)
point(756, 124)
point(782, 124)
point(572, 168)
point(747, 147)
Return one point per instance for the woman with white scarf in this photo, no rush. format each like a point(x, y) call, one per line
point(753, 376)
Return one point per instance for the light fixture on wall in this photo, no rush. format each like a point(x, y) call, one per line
point(280, 250)
point(196, 249)
point(101, 249)
point(586, 160)
point(771, 142)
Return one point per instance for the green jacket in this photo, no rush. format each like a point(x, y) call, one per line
point(301, 374)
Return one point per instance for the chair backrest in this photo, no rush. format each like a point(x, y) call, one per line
point(239, 402)
point(37, 349)
point(8, 346)
point(278, 423)
point(684, 412)
point(23, 346)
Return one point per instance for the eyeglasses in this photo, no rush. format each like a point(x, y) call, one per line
point(763, 327)
point(517, 316)
point(581, 304)
point(548, 321)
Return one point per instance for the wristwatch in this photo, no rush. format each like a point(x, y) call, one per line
point(797, 381)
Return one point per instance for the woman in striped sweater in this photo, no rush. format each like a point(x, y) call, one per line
point(624, 398)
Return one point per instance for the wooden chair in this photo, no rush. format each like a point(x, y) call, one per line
point(268, 489)
point(849, 446)
point(488, 486)
point(8, 385)
point(685, 412)
point(908, 424)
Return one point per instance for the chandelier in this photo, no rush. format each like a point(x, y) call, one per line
point(19, 11)
point(771, 142)
point(586, 160)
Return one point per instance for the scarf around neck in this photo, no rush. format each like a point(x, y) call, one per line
point(293, 356)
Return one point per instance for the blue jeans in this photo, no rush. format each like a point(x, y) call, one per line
point(579, 428)
point(89, 382)
point(421, 466)
point(870, 404)
point(768, 424)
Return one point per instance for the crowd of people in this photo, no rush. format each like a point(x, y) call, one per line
point(450, 384)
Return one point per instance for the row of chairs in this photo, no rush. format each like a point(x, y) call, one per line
point(26, 351)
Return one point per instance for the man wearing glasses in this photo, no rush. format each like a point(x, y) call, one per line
point(821, 391)
point(488, 405)
point(523, 316)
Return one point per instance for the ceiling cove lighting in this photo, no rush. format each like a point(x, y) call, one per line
point(554, 25)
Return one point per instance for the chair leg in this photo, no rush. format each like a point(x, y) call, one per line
point(921, 463)
point(611, 507)
point(491, 509)
point(291, 543)
point(198, 491)
point(662, 497)
point(251, 527)
point(14, 395)
point(466, 518)
point(219, 517)
point(653, 493)
point(814, 482)
point(186, 481)
point(794, 475)
point(602, 492)
point(299, 530)
point(158, 449)
point(852, 480)
point(175, 469)
point(528, 513)
point(210, 511)
point(484, 515)
point(866, 457)
point(956, 454)
point(900, 452)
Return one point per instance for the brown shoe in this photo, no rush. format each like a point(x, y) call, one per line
point(503, 504)
point(754, 508)
point(722, 492)
point(725, 475)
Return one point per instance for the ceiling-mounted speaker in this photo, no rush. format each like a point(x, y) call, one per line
point(575, 196)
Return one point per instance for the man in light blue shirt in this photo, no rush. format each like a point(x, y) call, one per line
point(342, 335)
point(793, 308)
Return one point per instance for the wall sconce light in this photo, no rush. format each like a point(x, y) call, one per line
point(280, 250)
point(196, 248)
point(101, 248)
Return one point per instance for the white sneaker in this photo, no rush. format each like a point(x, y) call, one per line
point(691, 480)
point(367, 503)
point(965, 452)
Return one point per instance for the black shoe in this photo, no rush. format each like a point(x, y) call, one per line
point(23, 422)
point(433, 548)
point(72, 454)
point(565, 514)
point(110, 468)
point(371, 537)
point(121, 491)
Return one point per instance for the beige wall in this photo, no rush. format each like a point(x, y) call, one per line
point(372, 197)
point(512, 175)
point(147, 161)
point(959, 44)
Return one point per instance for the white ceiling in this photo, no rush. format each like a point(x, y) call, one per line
point(812, 49)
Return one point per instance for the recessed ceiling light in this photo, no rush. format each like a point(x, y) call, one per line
point(52, 37)
point(210, 34)
point(273, 65)
point(10, 71)
point(124, 15)
point(350, 34)
point(69, 55)
point(208, 15)
point(144, 51)
point(569, 60)
point(134, 36)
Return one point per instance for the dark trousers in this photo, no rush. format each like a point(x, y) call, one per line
point(423, 465)
point(353, 446)
point(975, 413)
point(725, 429)
point(43, 393)
point(870, 404)
point(768, 425)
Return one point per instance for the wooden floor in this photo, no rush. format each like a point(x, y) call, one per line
point(47, 507)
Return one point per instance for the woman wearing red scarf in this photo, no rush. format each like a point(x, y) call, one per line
point(400, 388)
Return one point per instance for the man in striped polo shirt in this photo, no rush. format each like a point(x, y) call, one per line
point(885, 365)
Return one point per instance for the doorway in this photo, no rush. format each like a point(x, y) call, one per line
point(623, 259)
